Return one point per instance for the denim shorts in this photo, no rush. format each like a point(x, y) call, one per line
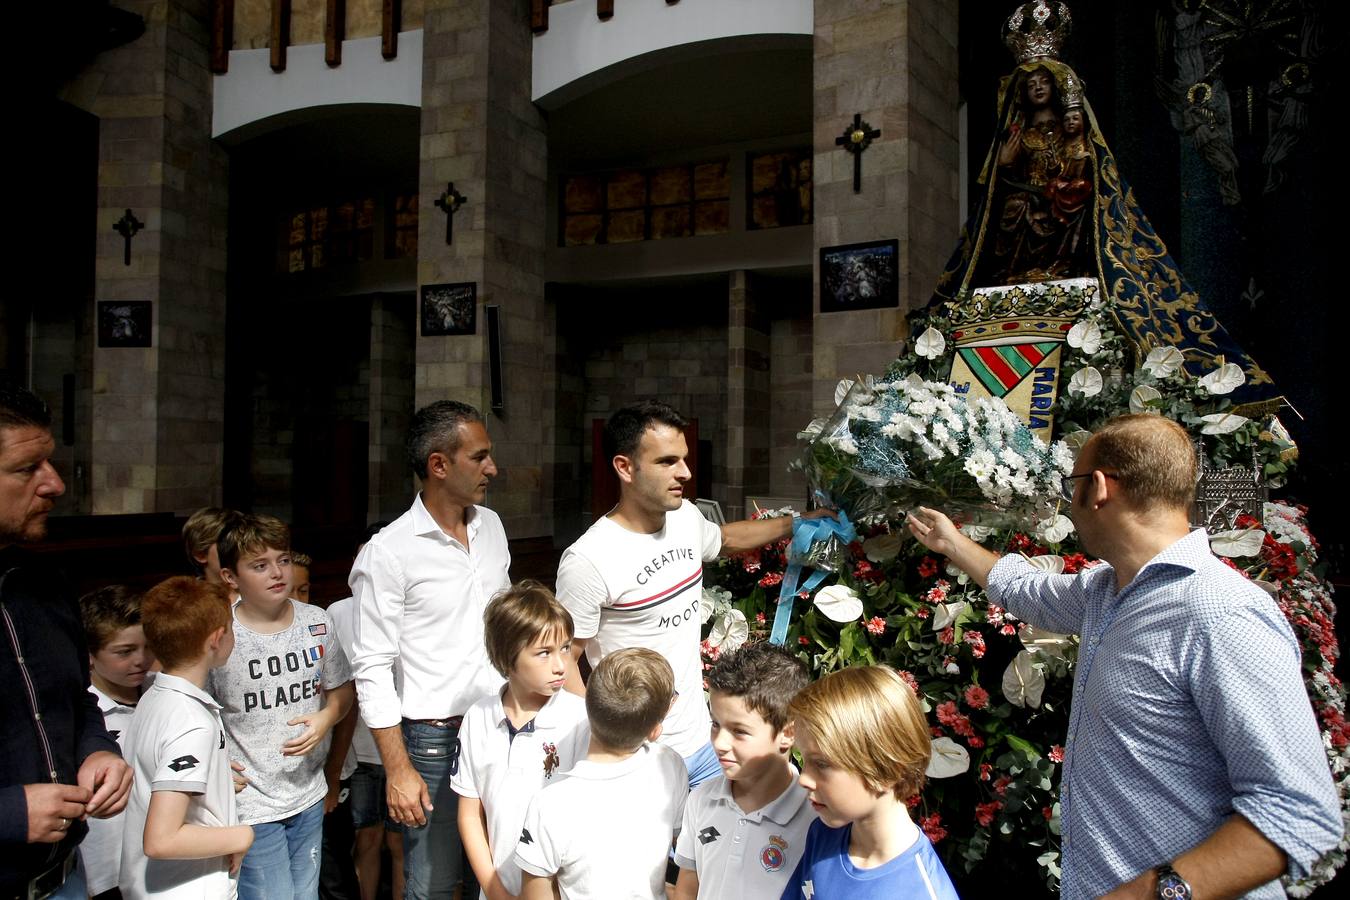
point(367, 798)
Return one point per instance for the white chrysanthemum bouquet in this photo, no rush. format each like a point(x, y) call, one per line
point(893, 445)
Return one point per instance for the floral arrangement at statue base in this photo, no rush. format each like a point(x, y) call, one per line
point(995, 689)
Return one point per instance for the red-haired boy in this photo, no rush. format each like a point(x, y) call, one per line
point(182, 836)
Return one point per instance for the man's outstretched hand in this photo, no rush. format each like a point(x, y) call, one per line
point(938, 533)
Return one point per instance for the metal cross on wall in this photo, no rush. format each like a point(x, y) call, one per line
point(127, 226)
point(857, 137)
point(450, 202)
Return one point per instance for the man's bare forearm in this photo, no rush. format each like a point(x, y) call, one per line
point(1233, 860)
point(393, 752)
point(1229, 863)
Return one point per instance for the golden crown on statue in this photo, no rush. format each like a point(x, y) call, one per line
point(1037, 30)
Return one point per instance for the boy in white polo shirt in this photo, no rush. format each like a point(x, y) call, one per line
point(604, 829)
point(182, 837)
point(743, 832)
point(119, 662)
point(516, 742)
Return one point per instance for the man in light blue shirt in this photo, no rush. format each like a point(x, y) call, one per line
point(1193, 764)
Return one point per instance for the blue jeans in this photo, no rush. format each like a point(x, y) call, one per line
point(74, 888)
point(283, 862)
point(433, 858)
point(702, 765)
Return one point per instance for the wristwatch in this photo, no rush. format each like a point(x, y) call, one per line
point(1171, 886)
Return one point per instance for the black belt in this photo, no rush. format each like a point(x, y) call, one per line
point(452, 722)
point(53, 879)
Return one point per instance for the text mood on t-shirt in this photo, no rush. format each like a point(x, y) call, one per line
point(677, 605)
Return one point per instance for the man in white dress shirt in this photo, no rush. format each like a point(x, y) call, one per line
point(420, 588)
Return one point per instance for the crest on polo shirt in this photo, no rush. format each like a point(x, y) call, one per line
point(773, 854)
point(551, 759)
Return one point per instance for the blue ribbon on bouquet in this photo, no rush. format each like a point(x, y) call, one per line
point(805, 532)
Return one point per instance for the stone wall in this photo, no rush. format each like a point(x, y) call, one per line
point(157, 413)
point(480, 130)
point(392, 330)
point(789, 399)
point(895, 63)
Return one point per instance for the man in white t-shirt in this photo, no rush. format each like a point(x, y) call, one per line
point(635, 578)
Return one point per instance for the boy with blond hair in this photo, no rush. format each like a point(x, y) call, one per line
point(605, 828)
point(119, 662)
point(522, 738)
point(865, 747)
point(286, 686)
point(183, 838)
point(744, 830)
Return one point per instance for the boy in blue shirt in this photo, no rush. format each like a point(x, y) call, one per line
point(865, 747)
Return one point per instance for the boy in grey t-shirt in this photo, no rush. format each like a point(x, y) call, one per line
point(284, 688)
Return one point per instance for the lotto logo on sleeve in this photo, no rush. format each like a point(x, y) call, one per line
point(183, 762)
point(315, 653)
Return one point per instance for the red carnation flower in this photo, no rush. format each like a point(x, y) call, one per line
point(977, 697)
point(932, 826)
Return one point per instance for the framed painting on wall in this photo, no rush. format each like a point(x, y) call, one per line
point(860, 276)
point(449, 309)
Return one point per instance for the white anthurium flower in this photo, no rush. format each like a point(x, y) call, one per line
point(945, 614)
point(1054, 530)
point(884, 547)
point(710, 601)
point(930, 344)
point(1142, 396)
point(977, 533)
point(1086, 382)
point(947, 759)
point(1077, 440)
point(1224, 380)
point(706, 606)
point(812, 430)
point(1222, 423)
point(1046, 643)
point(841, 390)
point(1023, 683)
point(1086, 336)
point(839, 603)
point(1238, 542)
point(1163, 362)
point(729, 631)
point(1050, 563)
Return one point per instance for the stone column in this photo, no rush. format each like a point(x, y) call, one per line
point(158, 412)
point(392, 327)
point(895, 63)
point(748, 414)
point(481, 131)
